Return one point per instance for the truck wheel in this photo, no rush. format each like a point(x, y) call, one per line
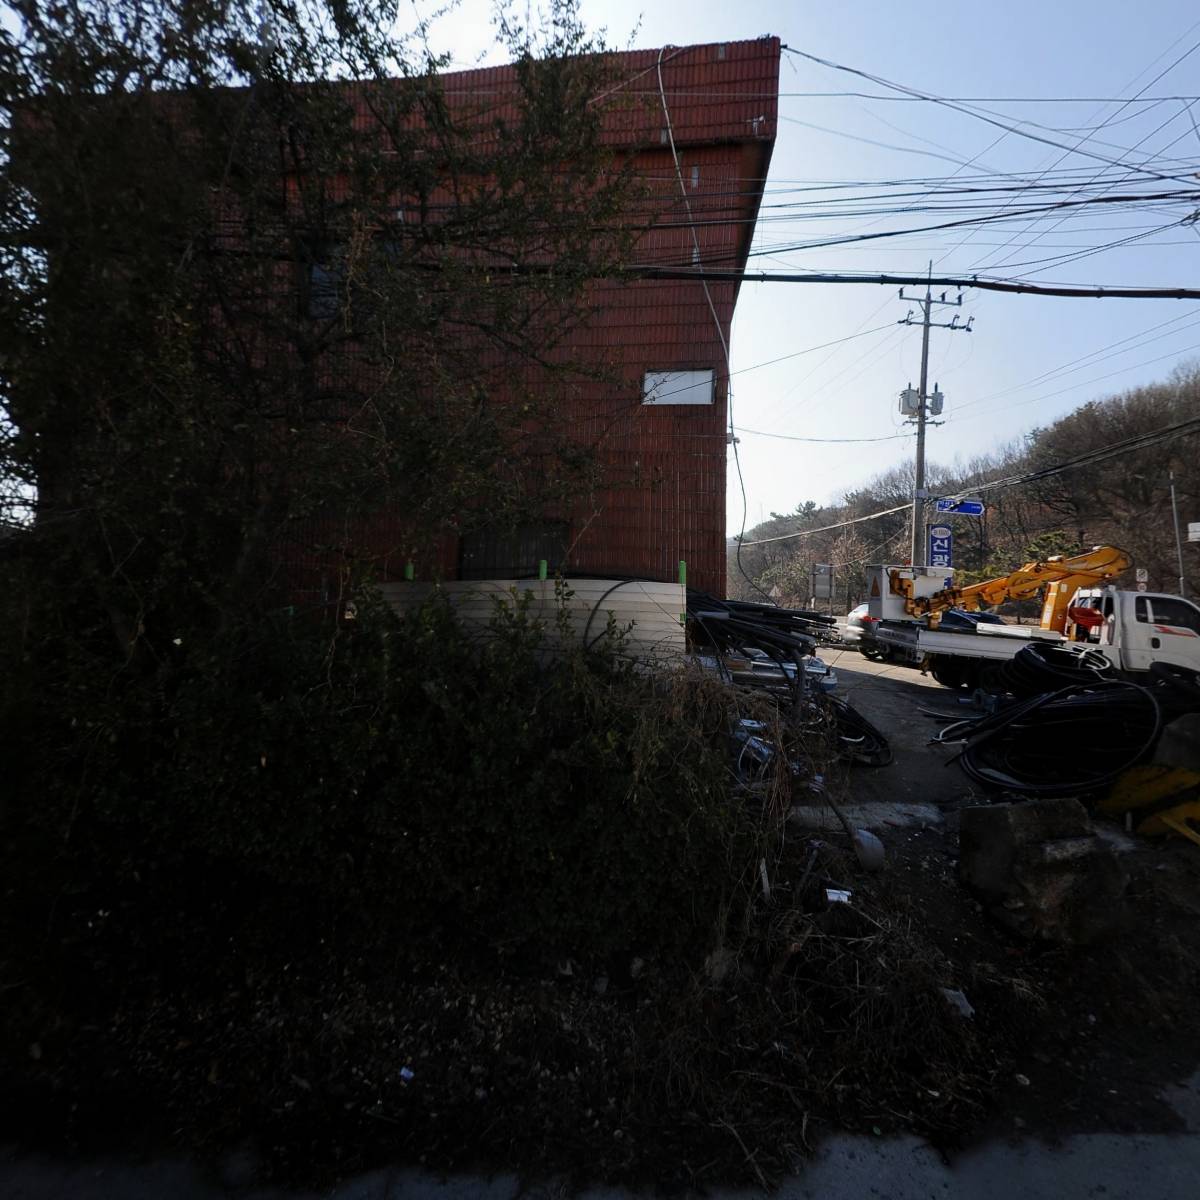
point(991, 679)
point(946, 671)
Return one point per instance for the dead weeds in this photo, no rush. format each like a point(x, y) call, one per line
point(336, 1057)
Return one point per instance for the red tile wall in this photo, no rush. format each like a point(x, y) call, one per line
point(662, 498)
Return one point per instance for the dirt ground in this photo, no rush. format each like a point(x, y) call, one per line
point(893, 698)
point(1115, 1049)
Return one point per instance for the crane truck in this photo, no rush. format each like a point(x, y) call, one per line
point(1081, 607)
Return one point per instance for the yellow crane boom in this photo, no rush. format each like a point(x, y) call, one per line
point(1064, 575)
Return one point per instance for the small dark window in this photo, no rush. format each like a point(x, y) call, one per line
point(1179, 613)
point(324, 291)
point(514, 553)
point(1141, 610)
point(324, 282)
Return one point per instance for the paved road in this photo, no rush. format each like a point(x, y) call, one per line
point(892, 698)
point(1111, 1167)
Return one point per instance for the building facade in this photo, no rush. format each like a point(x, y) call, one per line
point(698, 125)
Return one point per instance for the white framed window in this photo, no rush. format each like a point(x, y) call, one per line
point(677, 387)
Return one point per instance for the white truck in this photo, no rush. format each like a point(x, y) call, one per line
point(1131, 629)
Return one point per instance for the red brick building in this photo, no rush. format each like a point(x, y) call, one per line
point(661, 431)
point(667, 461)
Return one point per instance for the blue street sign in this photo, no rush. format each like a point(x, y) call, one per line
point(961, 508)
point(941, 546)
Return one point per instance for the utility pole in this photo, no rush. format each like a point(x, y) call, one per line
point(922, 404)
point(917, 556)
point(1178, 541)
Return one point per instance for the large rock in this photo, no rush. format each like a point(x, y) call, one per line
point(878, 815)
point(1179, 745)
point(1039, 868)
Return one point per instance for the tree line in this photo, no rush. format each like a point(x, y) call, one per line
point(1123, 501)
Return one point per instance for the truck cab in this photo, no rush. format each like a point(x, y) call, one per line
point(1140, 627)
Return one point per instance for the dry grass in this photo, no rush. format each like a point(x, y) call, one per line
point(832, 1014)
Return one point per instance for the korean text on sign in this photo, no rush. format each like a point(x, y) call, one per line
point(941, 546)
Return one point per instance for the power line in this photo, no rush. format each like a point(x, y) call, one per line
point(790, 437)
point(854, 137)
point(1145, 441)
point(885, 346)
point(1074, 249)
point(1069, 291)
point(948, 155)
point(1037, 210)
point(1097, 180)
point(770, 362)
point(784, 537)
point(1177, 353)
point(979, 116)
point(1128, 200)
point(1069, 177)
point(729, 94)
point(1125, 104)
point(1084, 361)
point(1078, 253)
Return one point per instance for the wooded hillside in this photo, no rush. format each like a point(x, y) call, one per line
point(1124, 500)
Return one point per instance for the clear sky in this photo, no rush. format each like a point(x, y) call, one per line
point(992, 378)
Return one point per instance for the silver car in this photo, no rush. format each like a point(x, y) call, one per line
point(858, 624)
point(860, 632)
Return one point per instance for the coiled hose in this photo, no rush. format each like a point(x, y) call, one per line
point(1044, 667)
point(1071, 742)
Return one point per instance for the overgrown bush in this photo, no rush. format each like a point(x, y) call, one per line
point(406, 771)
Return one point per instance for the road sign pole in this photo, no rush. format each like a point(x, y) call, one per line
point(1178, 543)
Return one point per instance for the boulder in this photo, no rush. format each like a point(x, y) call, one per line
point(1179, 745)
point(1039, 868)
point(878, 815)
